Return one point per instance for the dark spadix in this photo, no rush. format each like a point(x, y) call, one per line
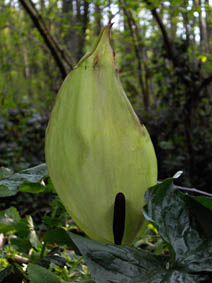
point(96, 148)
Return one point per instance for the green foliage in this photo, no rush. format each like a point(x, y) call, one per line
point(176, 245)
point(205, 201)
point(38, 273)
point(50, 254)
point(22, 74)
point(177, 117)
point(22, 133)
point(190, 254)
point(8, 219)
point(28, 180)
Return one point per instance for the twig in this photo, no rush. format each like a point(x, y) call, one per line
point(74, 274)
point(19, 259)
point(193, 190)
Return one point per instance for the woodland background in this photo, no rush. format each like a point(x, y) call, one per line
point(164, 57)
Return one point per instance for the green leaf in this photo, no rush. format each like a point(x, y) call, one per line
point(169, 210)
point(175, 276)
point(52, 257)
point(5, 191)
point(203, 200)
point(190, 257)
point(23, 245)
point(108, 263)
point(60, 237)
point(172, 276)
point(5, 172)
point(28, 180)
point(22, 228)
point(38, 274)
point(8, 219)
point(202, 214)
point(32, 188)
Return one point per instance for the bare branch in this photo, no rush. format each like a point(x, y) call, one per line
point(166, 39)
point(193, 190)
point(60, 56)
point(20, 259)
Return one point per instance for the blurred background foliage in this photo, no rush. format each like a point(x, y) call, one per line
point(164, 58)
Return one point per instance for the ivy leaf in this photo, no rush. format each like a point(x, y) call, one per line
point(28, 180)
point(170, 211)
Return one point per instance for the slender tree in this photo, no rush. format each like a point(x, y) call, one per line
point(60, 56)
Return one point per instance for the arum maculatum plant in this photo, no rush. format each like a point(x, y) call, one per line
point(100, 158)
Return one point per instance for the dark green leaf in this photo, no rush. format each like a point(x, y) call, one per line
point(23, 180)
point(5, 172)
point(23, 245)
point(172, 276)
point(203, 217)
point(176, 276)
point(191, 253)
point(169, 210)
point(61, 237)
point(22, 228)
point(108, 263)
point(38, 274)
point(205, 201)
point(5, 191)
point(8, 219)
point(52, 258)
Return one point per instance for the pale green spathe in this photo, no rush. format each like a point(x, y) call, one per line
point(96, 147)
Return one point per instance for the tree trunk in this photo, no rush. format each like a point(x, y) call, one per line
point(110, 14)
point(186, 22)
point(61, 58)
point(202, 28)
point(173, 23)
point(98, 18)
point(134, 30)
point(208, 25)
point(70, 37)
point(84, 25)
